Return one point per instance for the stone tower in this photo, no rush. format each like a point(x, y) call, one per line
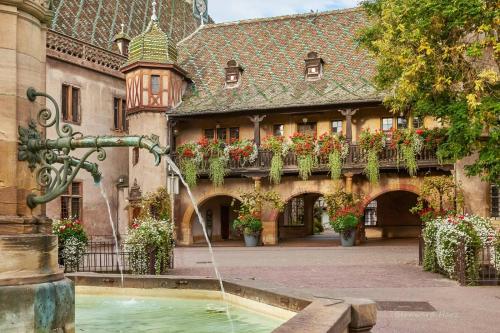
point(154, 85)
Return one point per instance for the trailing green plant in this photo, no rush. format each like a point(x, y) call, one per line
point(217, 156)
point(279, 148)
point(190, 160)
point(372, 144)
point(72, 240)
point(249, 210)
point(304, 147)
point(445, 235)
point(150, 244)
point(408, 145)
point(336, 148)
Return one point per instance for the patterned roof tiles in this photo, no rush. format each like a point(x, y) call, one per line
point(272, 53)
point(98, 21)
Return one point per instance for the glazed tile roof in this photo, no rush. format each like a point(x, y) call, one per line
point(272, 53)
point(98, 21)
point(153, 45)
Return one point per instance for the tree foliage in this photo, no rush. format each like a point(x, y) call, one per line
point(441, 59)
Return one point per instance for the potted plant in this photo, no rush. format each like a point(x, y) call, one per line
point(72, 240)
point(345, 211)
point(217, 155)
point(345, 225)
point(279, 148)
point(304, 147)
point(243, 151)
point(408, 144)
point(249, 221)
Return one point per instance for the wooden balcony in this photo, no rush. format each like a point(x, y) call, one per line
point(355, 162)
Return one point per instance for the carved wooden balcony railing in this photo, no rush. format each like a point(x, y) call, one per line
point(354, 162)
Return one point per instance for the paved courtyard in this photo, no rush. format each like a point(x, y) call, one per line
point(382, 271)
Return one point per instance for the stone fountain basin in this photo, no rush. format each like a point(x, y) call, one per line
point(303, 314)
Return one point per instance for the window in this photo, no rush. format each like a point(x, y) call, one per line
point(314, 67)
point(234, 134)
point(70, 104)
point(417, 122)
point(135, 155)
point(233, 74)
point(222, 134)
point(402, 123)
point(209, 133)
point(294, 212)
point(155, 84)
point(387, 124)
point(337, 126)
point(71, 202)
point(278, 130)
point(119, 114)
point(307, 128)
point(371, 214)
point(495, 201)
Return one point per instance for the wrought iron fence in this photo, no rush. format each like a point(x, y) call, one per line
point(105, 257)
point(487, 273)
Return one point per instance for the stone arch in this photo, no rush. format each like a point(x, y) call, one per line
point(187, 237)
point(275, 214)
point(401, 187)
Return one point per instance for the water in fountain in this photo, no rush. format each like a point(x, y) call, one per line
point(203, 226)
point(118, 259)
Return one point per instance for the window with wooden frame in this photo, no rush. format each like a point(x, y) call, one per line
point(234, 134)
point(307, 128)
point(278, 130)
point(495, 200)
point(371, 214)
point(402, 122)
point(294, 212)
point(209, 133)
point(387, 124)
point(72, 202)
point(135, 156)
point(417, 122)
point(120, 114)
point(155, 84)
point(336, 126)
point(222, 134)
point(70, 104)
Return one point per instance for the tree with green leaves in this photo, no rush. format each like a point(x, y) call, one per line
point(441, 59)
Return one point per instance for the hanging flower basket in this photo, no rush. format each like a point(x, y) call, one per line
point(190, 159)
point(372, 144)
point(243, 151)
point(336, 148)
point(303, 145)
point(279, 148)
point(408, 145)
point(214, 151)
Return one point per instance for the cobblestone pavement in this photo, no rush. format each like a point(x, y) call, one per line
point(385, 271)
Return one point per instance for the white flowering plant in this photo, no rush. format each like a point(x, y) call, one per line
point(72, 240)
point(150, 243)
point(444, 235)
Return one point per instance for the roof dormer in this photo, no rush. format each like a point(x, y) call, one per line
point(314, 67)
point(233, 74)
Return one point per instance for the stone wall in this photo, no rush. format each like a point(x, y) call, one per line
point(97, 91)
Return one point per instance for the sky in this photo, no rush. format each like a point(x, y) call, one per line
point(233, 10)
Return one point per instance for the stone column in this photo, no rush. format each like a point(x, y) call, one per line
point(35, 295)
point(348, 113)
point(256, 120)
point(348, 182)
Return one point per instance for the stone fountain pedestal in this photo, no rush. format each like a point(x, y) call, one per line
point(34, 294)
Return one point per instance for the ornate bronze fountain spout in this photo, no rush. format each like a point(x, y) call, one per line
point(55, 168)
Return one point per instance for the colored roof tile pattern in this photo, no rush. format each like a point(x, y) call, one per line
point(98, 21)
point(153, 45)
point(272, 53)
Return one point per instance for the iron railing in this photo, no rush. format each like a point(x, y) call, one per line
point(487, 273)
point(103, 257)
point(355, 159)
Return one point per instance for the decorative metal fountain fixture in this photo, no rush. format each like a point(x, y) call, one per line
point(55, 168)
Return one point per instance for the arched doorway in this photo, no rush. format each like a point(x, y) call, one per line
point(388, 216)
point(304, 215)
point(219, 214)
